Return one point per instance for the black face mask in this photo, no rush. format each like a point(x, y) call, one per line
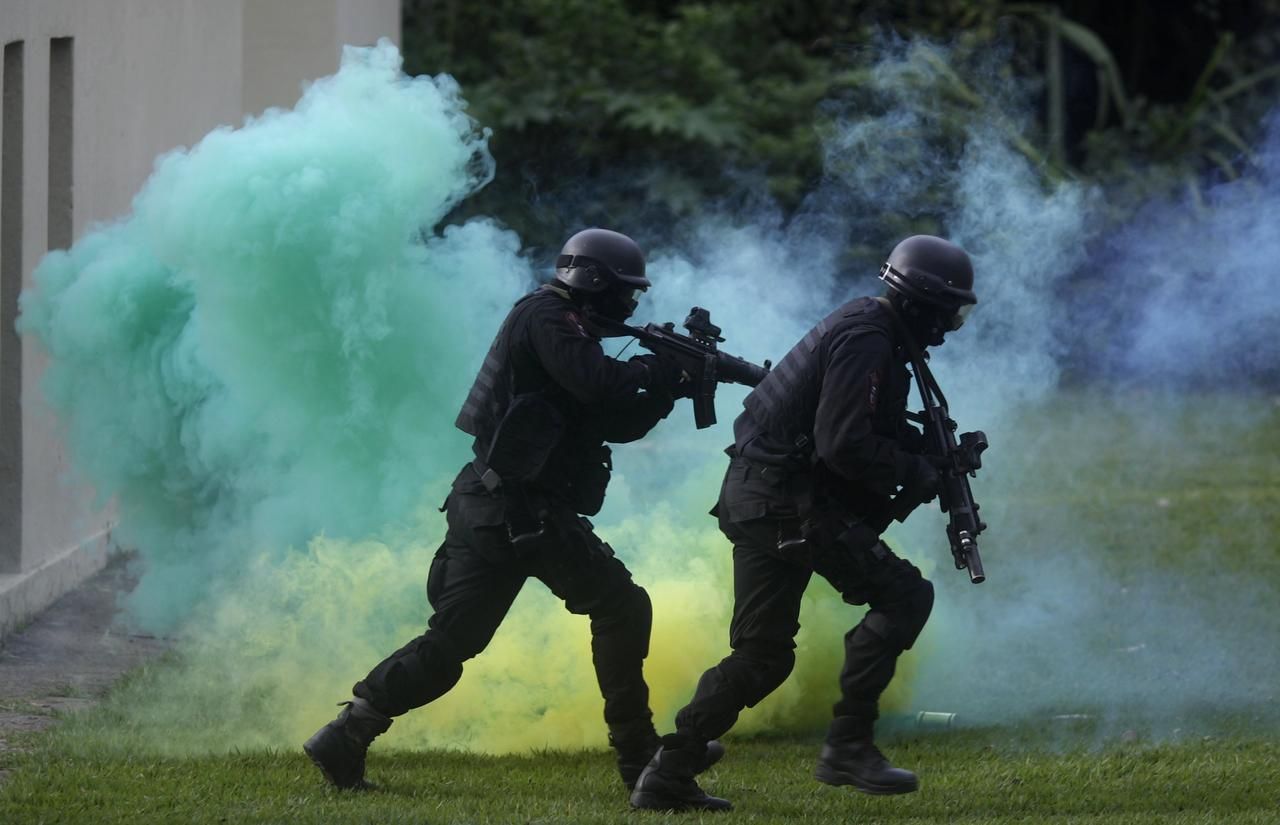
point(946, 320)
point(617, 303)
point(929, 325)
point(934, 335)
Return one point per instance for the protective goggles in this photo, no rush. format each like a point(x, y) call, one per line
point(958, 319)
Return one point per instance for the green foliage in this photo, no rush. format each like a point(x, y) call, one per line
point(654, 109)
point(678, 98)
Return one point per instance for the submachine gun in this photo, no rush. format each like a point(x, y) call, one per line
point(958, 462)
point(697, 355)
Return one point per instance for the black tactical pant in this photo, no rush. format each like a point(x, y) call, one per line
point(475, 577)
point(767, 588)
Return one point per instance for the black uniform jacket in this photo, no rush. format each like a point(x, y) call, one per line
point(828, 422)
point(544, 346)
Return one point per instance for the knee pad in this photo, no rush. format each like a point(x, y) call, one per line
point(628, 613)
point(760, 668)
point(916, 612)
point(625, 605)
point(900, 622)
point(418, 673)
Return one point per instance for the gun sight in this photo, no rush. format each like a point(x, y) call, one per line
point(701, 329)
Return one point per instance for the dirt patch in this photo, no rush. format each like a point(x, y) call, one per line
point(69, 656)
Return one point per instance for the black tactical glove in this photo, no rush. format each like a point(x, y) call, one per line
point(923, 480)
point(664, 375)
point(685, 386)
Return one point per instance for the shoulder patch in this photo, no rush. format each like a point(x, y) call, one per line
point(873, 394)
point(576, 323)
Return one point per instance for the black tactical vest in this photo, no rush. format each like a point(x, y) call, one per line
point(783, 407)
point(494, 387)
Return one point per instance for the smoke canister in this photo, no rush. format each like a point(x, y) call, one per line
point(935, 720)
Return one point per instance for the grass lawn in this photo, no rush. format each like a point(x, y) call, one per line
point(1198, 475)
point(978, 776)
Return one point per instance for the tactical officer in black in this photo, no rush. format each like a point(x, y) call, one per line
point(822, 456)
point(542, 407)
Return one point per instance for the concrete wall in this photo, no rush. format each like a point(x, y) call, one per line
point(95, 90)
point(289, 42)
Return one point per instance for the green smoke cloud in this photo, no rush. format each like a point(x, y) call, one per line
point(267, 346)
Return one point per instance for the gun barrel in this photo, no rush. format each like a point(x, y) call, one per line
point(974, 562)
point(731, 368)
point(965, 550)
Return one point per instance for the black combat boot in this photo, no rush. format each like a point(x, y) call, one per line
point(636, 743)
point(339, 748)
point(849, 757)
point(667, 782)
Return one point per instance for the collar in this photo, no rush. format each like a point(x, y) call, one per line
point(906, 340)
point(561, 291)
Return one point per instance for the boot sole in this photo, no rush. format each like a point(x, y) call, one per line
point(645, 800)
point(830, 776)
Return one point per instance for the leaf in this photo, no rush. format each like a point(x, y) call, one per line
point(1090, 44)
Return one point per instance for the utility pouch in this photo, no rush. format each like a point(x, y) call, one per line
point(590, 480)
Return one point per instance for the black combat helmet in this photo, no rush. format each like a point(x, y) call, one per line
point(932, 271)
point(594, 260)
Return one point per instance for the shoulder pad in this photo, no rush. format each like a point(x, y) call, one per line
point(865, 309)
point(864, 314)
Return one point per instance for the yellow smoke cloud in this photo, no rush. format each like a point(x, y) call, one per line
point(271, 659)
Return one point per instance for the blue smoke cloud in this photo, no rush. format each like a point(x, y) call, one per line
point(1198, 282)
